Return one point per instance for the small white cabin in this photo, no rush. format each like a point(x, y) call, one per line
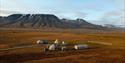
point(79, 47)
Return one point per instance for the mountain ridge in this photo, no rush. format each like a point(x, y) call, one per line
point(43, 20)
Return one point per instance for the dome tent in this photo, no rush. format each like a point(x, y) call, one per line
point(53, 47)
point(42, 42)
point(56, 41)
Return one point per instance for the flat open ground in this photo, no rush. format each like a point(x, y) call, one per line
point(106, 47)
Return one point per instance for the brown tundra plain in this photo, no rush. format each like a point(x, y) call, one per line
point(105, 46)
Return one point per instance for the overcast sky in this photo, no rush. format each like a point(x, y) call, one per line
point(94, 11)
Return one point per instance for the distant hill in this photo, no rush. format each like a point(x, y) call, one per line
point(44, 20)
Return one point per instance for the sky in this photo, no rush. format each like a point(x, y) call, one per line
point(94, 11)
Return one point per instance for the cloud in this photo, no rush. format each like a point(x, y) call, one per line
point(7, 12)
point(114, 17)
point(80, 14)
point(71, 15)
